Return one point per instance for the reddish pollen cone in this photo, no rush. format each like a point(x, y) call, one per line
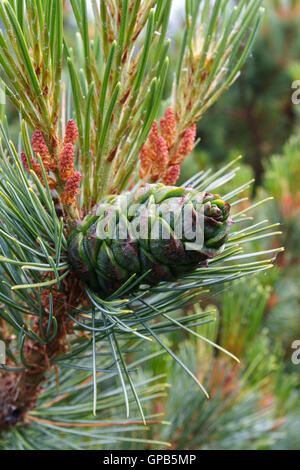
point(71, 189)
point(162, 159)
point(71, 134)
point(146, 161)
point(168, 127)
point(186, 146)
point(40, 147)
point(66, 162)
point(172, 175)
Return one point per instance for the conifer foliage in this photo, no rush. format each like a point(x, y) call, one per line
point(90, 130)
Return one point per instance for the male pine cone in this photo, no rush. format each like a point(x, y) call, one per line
point(137, 234)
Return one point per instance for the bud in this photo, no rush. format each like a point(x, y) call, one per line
point(146, 161)
point(172, 175)
point(35, 166)
point(66, 162)
point(153, 140)
point(168, 127)
point(25, 161)
point(39, 146)
point(71, 134)
point(38, 170)
point(161, 160)
point(71, 189)
point(186, 146)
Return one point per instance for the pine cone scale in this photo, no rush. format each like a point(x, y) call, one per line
point(137, 232)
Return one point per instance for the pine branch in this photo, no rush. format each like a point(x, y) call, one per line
point(19, 391)
point(26, 289)
point(115, 89)
point(212, 54)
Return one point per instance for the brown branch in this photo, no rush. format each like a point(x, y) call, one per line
point(19, 391)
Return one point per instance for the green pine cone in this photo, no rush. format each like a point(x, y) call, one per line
point(161, 232)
